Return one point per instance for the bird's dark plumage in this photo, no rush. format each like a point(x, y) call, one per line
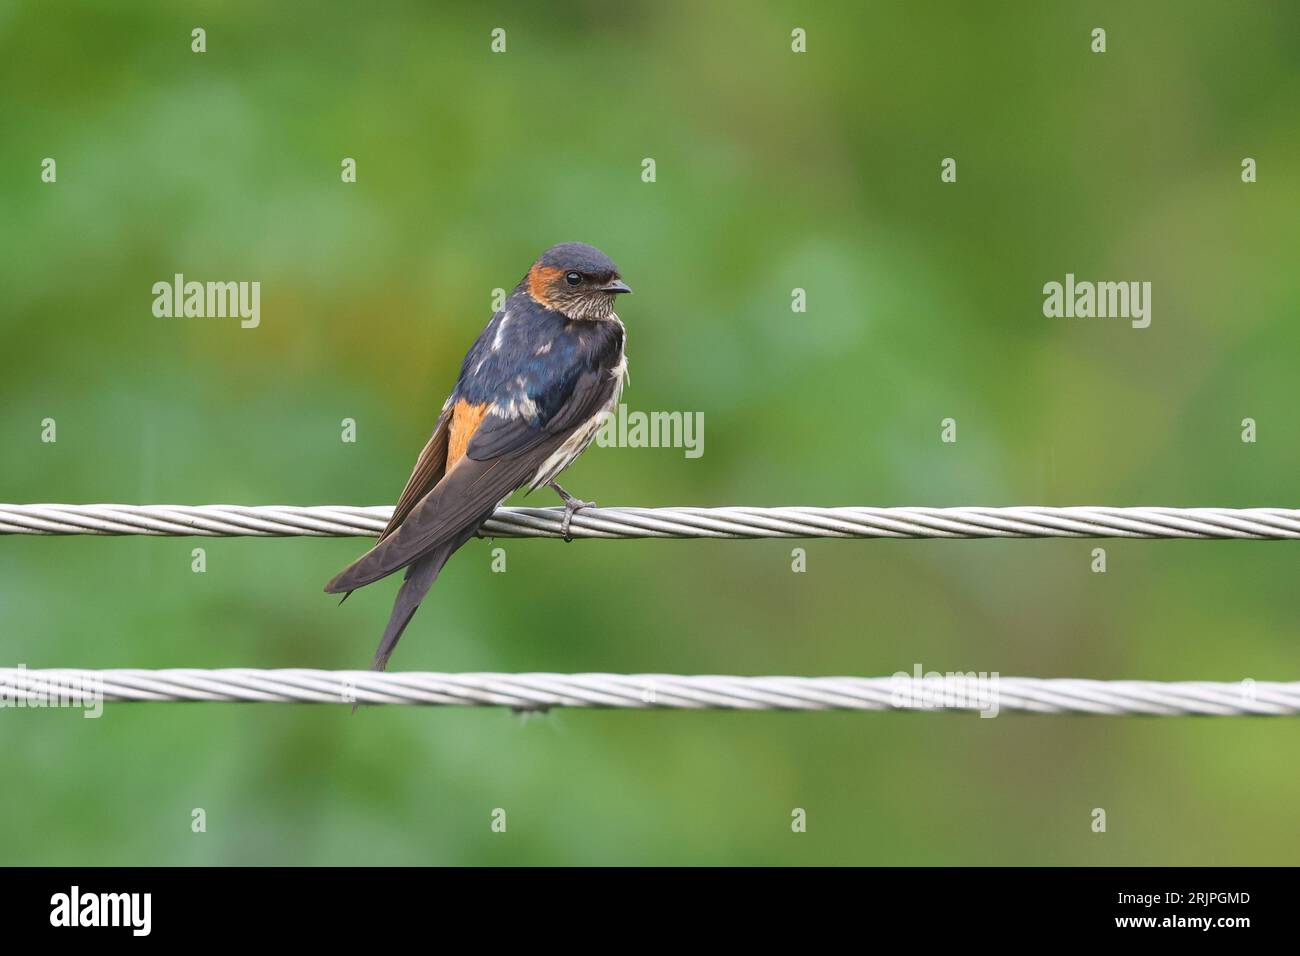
point(578, 256)
point(532, 392)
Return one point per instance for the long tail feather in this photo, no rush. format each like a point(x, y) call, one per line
point(419, 578)
point(420, 575)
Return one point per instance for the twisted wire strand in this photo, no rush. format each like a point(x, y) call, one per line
point(734, 522)
point(20, 687)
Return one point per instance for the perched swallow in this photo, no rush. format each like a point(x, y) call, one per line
point(532, 393)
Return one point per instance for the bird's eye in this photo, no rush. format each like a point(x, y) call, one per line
point(572, 278)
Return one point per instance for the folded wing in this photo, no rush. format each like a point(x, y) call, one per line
point(504, 453)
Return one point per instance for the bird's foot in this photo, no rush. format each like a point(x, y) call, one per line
point(572, 506)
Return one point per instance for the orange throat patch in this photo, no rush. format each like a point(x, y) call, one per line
point(540, 278)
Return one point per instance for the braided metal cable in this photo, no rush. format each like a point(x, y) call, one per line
point(734, 522)
point(20, 687)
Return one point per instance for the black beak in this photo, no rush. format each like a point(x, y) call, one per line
point(616, 287)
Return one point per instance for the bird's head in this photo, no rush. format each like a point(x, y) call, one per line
point(576, 280)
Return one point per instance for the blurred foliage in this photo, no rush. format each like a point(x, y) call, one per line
point(775, 171)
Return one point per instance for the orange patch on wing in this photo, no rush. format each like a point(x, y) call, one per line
point(465, 420)
point(540, 278)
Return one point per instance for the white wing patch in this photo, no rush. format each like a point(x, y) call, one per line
point(501, 331)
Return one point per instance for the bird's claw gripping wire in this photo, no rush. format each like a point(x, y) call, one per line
point(572, 506)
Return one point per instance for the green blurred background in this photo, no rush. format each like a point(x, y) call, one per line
point(775, 171)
